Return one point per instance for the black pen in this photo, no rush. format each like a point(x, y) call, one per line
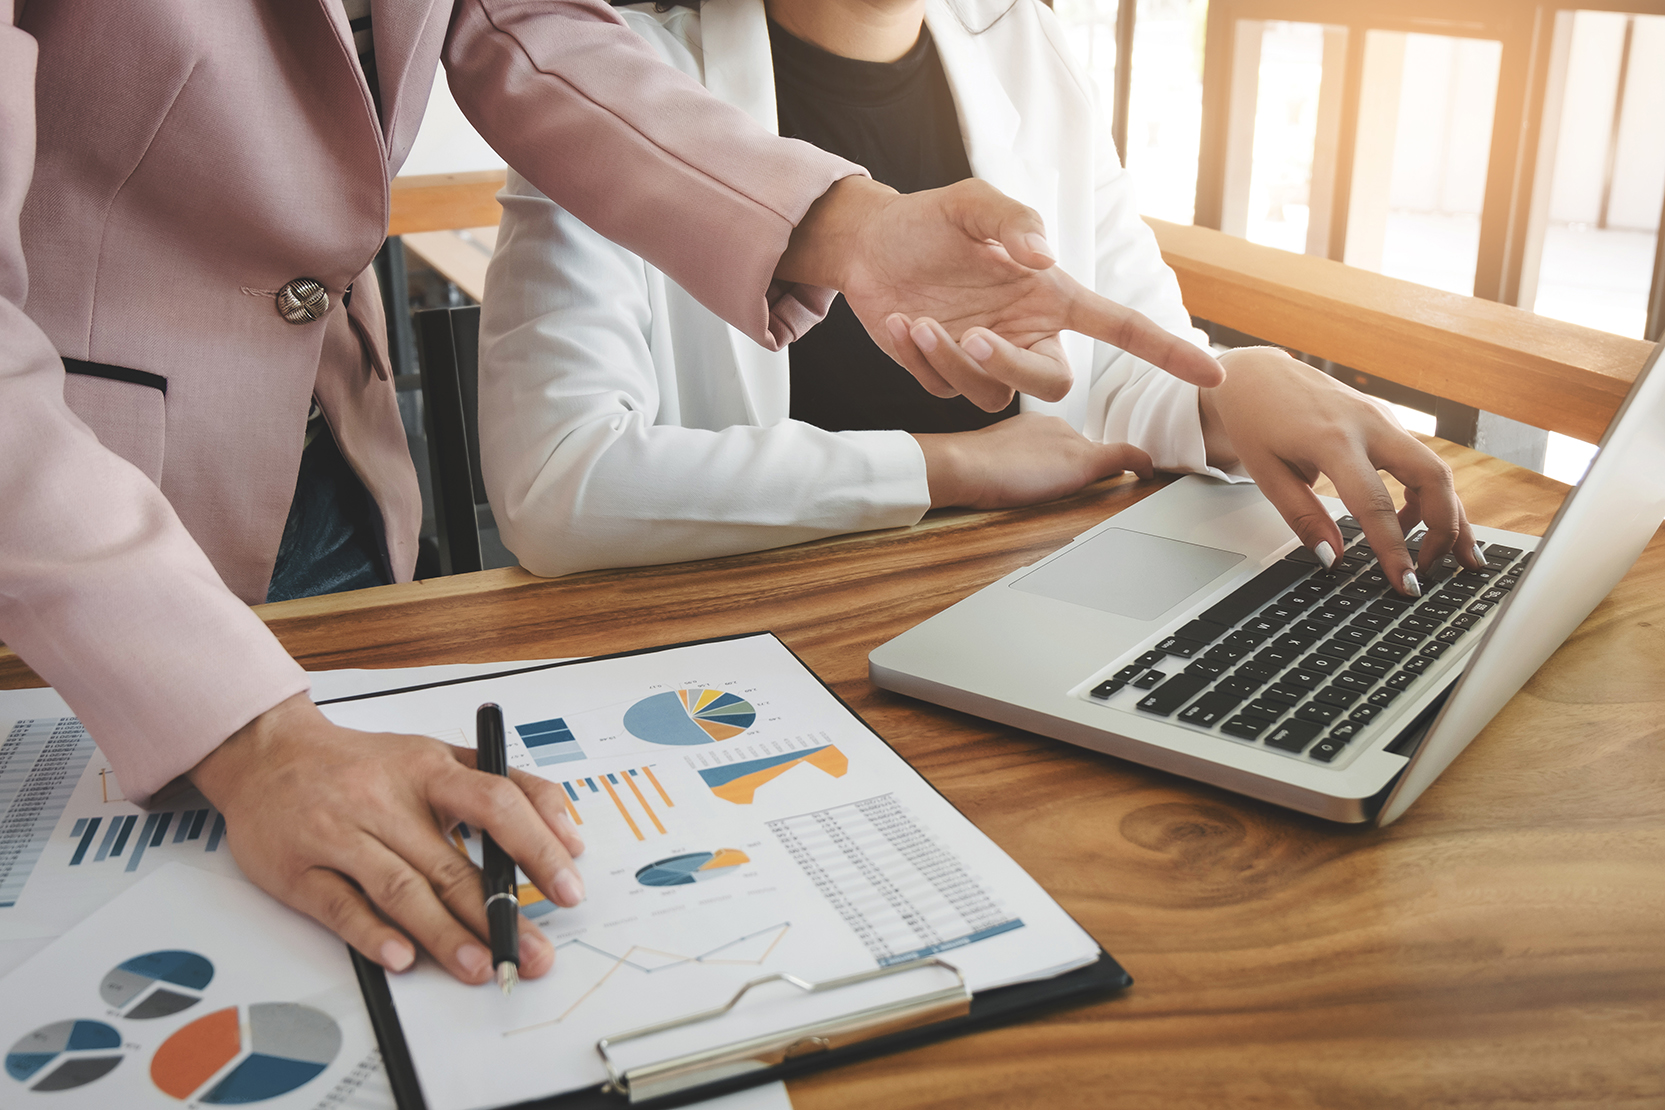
point(502, 906)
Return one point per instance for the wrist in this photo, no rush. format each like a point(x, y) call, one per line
point(827, 240)
point(219, 771)
point(947, 466)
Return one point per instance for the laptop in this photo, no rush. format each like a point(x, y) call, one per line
point(1192, 633)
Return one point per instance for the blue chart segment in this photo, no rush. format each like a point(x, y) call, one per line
point(118, 833)
point(695, 867)
point(686, 717)
point(40, 762)
point(156, 984)
point(64, 1055)
point(550, 742)
point(287, 1045)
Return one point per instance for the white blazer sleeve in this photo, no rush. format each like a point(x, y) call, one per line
point(1130, 400)
point(582, 458)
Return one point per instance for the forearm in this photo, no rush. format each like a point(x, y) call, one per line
point(693, 185)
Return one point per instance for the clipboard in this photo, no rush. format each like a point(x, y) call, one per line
point(930, 1016)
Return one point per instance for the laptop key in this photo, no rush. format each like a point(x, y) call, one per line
point(1295, 644)
point(1433, 649)
point(1317, 712)
point(1128, 672)
point(1384, 696)
point(1247, 641)
point(1303, 555)
point(1500, 551)
point(1350, 529)
point(1401, 680)
point(1375, 622)
point(1425, 625)
point(1254, 593)
point(1416, 664)
point(1322, 664)
point(1268, 711)
point(1326, 616)
point(1391, 652)
point(1148, 680)
point(1300, 676)
point(1172, 694)
point(1341, 649)
point(1507, 582)
point(1209, 709)
point(1353, 635)
point(1185, 649)
point(1404, 638)
point(1369, 665)
point(1326, 750)
point(1284, 693)
point(1248, 728)
point(1337, 695)
point(1344, 731)
point(1464, 620)
point(1280, 612)
point(1240, 687)
point(1259, 672)
point(1364, 714)
point(1292, 736)
point(1222, 653)
point(1494, 595)
point(1206, 666)
point(1352, 680)
point(1481, 608)
point(1106, 688)
point(1449, 635)
point(1150, 658)
point(1392, 605)
point(1203, 632)
point(1275, 656)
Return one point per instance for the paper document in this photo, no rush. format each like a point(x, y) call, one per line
point(739, 821)
point(190, 989)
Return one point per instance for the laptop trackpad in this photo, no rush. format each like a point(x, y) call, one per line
point(1129, 573)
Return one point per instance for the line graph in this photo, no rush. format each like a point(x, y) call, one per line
point(632, 959)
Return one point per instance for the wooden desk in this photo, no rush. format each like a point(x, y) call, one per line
point(1502, 945)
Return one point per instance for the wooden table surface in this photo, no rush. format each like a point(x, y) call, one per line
point(1501, 945)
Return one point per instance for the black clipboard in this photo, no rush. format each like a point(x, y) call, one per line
point(1097, 980)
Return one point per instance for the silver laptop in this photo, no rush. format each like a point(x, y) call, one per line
point(1192, 633)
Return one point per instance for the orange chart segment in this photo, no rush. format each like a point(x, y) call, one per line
point(738, 782)
point(686, 718)
point(191, 1056)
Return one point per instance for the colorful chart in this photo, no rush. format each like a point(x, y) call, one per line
point(82, 1050)
point(695, 867)
point(685, 717)
point(738, 782)
point(137, 989)
point(550, 742)
point(288, 1044)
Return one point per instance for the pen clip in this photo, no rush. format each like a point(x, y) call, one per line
point(710, 1065)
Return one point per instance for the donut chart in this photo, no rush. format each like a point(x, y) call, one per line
point(695, 867)
point(156, 984)
point(64, 1055)
point(683, 718)
point(278, 1047)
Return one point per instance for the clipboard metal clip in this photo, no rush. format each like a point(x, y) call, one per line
point(711, 1065)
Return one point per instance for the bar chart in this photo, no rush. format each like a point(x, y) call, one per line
point(550, 742)
point(902, 893)
point(636, 796)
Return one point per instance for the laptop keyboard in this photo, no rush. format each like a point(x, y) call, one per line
point(1301, 659)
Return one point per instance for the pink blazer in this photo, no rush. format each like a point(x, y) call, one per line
point(186, 169)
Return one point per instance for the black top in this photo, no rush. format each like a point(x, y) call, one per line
point(897, 119)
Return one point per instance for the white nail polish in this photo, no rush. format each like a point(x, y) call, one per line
point(1479, 555)
point(1412, 586)
point(1325, 553)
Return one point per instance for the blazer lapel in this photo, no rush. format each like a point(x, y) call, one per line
point(405, 70)
point(740, 71)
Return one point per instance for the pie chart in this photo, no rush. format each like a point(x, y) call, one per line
point(275, 1046)
point(64, 1055)
point(688, 717)
point(156, 984)
point(695, 867)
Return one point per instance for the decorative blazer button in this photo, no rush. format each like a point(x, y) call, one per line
point(303, 301)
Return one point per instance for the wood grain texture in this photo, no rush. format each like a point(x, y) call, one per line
point(445, 201)
point(1530, 368)
point(1503, 945)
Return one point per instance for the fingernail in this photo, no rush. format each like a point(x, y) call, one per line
point(898, 325)
point(1039, 245)
point(532, 942)
point(979, 348)
point(397, 955)
point(1325, 553)
point(924, 338)
point(1479, 555)
point(1411, 585)
point(474, 959)
point(569, 887)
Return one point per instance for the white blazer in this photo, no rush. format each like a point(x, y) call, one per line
point(623, 424)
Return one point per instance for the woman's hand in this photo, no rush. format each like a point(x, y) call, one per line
point(350, 828)
point(1023, 460)
point(959, 286)
point(1288, 423)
